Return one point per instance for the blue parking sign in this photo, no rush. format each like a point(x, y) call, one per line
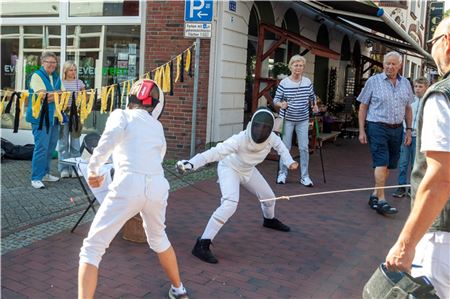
point(198, 10)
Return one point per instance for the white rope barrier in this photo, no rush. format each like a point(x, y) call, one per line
point(288, 197)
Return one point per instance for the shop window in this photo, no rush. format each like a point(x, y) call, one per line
point(103, 8)
point(15, 9)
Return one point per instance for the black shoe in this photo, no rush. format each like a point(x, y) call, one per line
point(373, 202)
point(385, 208)
point(202, 251)
point(400, 192)
point(275, 224)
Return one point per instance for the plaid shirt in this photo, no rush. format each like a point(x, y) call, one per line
point(386, 102)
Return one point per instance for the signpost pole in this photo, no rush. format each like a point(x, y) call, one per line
point(194, 96)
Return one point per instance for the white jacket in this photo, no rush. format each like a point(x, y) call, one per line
point(240, 153)
point(136, 141)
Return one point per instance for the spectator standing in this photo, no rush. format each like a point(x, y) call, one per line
point(385, 102)
point(69, 141)
point(425, 237)
point(294, 96)
point(407, 152)
point(44, 127)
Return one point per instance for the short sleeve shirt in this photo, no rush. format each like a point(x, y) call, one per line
point(386, 102)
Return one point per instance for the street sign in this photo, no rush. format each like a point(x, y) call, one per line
point(200, 30)
point(198, 10)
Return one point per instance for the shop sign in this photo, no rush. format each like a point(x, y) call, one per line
point(200, 30)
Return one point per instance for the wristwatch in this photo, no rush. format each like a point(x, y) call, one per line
point(409, 129)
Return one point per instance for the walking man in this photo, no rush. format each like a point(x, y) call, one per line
point(385, 102)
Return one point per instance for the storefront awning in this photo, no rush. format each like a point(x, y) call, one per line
point(371, 17)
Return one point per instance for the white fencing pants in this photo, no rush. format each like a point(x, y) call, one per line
point(230, 181)
point(130, 193)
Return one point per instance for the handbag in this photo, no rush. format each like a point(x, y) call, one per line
point(278, 125)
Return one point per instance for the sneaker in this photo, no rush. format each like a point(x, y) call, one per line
point(50, 178)
point(400, 192)
point(74, 173)
point(37, 184)
point(276, 224)
point(173, 295)
point(202, 251)
point(65, 173)
point(306, 181)
point(281, 178)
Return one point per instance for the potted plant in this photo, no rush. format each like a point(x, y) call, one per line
point(280, 70)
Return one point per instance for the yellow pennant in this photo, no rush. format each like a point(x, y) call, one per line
point(177, 77)
point(187, 61)
point(166, 80)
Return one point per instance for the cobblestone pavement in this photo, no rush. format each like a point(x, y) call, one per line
point(335, 244)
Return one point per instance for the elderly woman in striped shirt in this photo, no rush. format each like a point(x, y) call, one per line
point(294, 96)
point(69, 142)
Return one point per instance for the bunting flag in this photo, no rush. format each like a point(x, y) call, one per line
point(85, 101)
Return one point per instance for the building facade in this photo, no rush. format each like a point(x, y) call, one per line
point(112, 42)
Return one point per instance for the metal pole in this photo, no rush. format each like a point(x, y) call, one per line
point(194, 96)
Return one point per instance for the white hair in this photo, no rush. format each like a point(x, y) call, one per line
point(393, 53)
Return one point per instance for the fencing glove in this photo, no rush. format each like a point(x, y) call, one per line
point(183, 165)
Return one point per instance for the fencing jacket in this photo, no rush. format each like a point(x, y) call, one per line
point(136, 141)
point(240, 153)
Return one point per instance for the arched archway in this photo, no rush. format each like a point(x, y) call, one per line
point(261, 11)
point(321, 66)
point(291, 23)
point(356, 59)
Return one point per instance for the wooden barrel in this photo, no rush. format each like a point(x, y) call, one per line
point(133, 230)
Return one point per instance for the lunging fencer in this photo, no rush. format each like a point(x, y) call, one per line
point(135, 138)
point(238, 156)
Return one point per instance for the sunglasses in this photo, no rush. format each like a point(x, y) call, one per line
point(432, 41)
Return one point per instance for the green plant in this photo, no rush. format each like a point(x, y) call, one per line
point(280, 68)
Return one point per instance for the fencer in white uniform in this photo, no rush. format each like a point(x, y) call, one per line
point(238, 156)
point(136, 141)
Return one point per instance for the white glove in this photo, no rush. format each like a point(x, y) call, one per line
point(183, 165)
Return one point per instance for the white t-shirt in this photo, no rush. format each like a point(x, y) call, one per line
point(436, 125)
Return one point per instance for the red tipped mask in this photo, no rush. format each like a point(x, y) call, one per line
point(144, 93)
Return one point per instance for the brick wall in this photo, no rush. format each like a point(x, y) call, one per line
point(164, 40)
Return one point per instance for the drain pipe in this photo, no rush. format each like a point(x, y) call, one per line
point(394, 26)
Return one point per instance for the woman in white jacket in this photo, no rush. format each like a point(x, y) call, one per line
point(238, 156)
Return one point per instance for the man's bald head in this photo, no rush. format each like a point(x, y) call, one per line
point(441, 46)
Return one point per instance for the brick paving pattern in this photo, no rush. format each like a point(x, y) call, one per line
point(335, 243)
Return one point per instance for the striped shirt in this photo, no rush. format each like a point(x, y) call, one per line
point(298, 95)
point(73, 85)
point(386, 102)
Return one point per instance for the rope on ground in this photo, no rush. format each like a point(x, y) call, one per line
point(288, 197)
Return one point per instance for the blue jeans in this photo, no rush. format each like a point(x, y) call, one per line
point(407, 156)
point(301, 129)
point(68, 146)
point(44, 145)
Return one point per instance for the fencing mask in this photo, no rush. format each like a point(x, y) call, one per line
point(261, 125)
point(148, 93)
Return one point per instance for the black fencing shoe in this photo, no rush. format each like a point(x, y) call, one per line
point(202, 251)
point(275, 224)
point(385, 208)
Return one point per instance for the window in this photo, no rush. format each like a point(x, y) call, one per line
point(101, 8)
point(14, 9)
